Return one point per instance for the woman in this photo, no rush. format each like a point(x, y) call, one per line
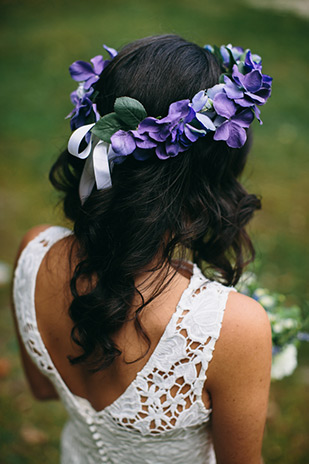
point(120, 325)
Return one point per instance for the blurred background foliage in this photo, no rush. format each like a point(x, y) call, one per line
point(39, 40)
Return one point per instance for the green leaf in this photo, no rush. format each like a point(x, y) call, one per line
point(232, 59)
point(221, 78)
point(243, 56)
point(241, 68)
point(130, 111)
point(107, 126)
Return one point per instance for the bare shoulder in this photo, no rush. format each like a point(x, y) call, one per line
point(245, 336)
point(29, 236)
point(246, 317)
point(238, 381)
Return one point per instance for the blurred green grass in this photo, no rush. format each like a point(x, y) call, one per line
point(39, 40)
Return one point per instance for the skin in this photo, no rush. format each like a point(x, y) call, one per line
point(238, 376)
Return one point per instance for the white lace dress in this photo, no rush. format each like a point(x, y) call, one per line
point(147, 423)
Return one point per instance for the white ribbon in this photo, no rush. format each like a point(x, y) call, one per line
point(99, 155)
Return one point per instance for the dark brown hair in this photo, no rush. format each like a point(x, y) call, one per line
point(191, 202)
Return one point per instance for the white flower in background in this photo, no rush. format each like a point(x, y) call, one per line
point(272, 317)
point(267, 300)
point(259, 292)
point(286, 324)
point(289, 323)
point(280, 325)
point(284, 363)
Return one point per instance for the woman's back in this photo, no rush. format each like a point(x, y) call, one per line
point(116, 328)
point(163, 403)
point(52, 291)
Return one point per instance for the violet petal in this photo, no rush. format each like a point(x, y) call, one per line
point(81, 70)
point(212, 92)
point(222, 132)
point(234, 135)
point(91, 80)
point(160, 152)
point(148, 125)
point(177, 110)
point(244, 118)
point(224, 106)
point(112, 52)
point(232, 90)
point(98, 64)
point(245, 103)
point(172, 149)
point(257, 113)
point(199, 101)
point(145, 143)
point(253, 81)
point(237, 76)
point(191, 135)
point(123, 143)
point(205, 121)
point(237, 136)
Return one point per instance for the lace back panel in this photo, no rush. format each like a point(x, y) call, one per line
point(166, 395)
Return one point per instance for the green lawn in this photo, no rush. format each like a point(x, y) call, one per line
point(39, 40)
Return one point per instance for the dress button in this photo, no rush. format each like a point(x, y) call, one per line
point(92, 428)
point(96, 436)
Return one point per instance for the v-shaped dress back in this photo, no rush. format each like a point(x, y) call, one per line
point(160, 418)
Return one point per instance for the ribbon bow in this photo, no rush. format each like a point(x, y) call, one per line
point(99, 156)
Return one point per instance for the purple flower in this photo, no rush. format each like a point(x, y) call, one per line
point(236, 52)
point(86, 74)
point(84, 108)
point(123, 143)
point(248, 90)
point(252, 61)
point(81, 71)
point(172, 132)
point(232, 129)
point(201, 104)
point(227, 108)
point(168, 136)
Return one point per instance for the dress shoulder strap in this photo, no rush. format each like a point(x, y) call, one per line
point(198, 323)
point(24, 292)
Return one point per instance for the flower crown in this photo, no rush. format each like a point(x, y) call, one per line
point(227, 109)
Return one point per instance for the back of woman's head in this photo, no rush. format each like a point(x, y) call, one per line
point(155, 208)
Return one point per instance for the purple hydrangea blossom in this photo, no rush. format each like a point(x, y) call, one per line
point(168, 136)
point(252, 61)
point(86, 74)
point(249, 89)
point(226, 109)
point(245, 89)
point(84, 107)
point(236, 52)
point(81, 71)
point(232, 129)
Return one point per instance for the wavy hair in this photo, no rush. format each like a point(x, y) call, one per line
point(192, 204)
